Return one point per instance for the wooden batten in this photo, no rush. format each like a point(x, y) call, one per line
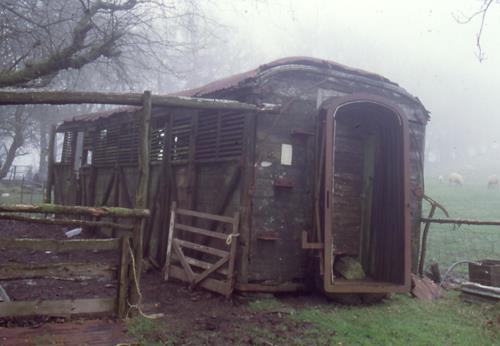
point(58, 307)
point(66, 222)
point(60, 246)
point(75, 210)
point(15, 271)
point(132, 99)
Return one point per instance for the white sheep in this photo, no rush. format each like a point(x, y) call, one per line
point(493, 182)
point(455, 179)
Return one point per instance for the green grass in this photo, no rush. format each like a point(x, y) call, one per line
point(399, 321)
point(447, 243)
point(29, 194)
point(149, 332)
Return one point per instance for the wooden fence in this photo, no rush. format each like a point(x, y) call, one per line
point(129, 243)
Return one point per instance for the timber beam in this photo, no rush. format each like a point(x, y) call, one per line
point(15, 97)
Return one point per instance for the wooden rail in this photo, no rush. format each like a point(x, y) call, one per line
point(461, 221)
point(122, 272)
point(46, 208)
point(66, 222)
point(134, 99)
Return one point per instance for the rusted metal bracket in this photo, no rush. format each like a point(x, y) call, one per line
point(310, 246)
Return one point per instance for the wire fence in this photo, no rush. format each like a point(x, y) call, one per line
point(448, 243)
point(21, 191)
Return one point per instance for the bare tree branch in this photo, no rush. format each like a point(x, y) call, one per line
point(482, 12)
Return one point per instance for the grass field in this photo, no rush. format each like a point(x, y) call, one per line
point(19, 194)
point(400, 320)
point(447, 243)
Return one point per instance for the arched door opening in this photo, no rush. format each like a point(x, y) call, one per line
point(365, 200)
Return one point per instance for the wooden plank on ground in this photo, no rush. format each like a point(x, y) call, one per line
point(424, 288)
point(13, 271)
point(60, 245)
point(58, 307)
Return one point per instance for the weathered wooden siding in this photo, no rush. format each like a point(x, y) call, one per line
point(276, 200)
point(279, 215)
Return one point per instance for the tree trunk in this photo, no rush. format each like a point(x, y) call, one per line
point(17, 141)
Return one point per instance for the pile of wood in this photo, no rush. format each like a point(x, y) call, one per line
point(476, 293)
point(424, 288)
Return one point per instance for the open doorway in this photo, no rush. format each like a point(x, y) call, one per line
point(365, 196)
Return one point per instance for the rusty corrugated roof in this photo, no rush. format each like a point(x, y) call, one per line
point(239, 79)
point(89, 117)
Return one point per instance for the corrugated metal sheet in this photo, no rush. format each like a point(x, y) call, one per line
point(89, 117)
point(237, 80)
point(241, 78)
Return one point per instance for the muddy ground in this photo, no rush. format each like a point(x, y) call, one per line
point(189, 317)
point(32, 289)
point(202, 318)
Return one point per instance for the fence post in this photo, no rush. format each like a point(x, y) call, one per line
point(123, 278)
point(141, 196)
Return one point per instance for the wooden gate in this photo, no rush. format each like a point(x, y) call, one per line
point(202, 256)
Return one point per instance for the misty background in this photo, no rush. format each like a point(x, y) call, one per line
point(419, 45)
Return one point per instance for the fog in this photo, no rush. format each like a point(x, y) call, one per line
point(417, 44)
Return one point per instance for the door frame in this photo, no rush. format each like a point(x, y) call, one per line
point(332, 105)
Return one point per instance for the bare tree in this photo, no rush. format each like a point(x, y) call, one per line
point(110, 45)
point(481, 13)
point(17, 129)
point(40, 38)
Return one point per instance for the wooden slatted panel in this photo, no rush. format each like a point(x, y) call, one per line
point(116, 142)
point(206, 139)
point(220, 135)
point(180, 137)
point(129, 143)
point(158, 140)
point(67, 147)
point(89, 140)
